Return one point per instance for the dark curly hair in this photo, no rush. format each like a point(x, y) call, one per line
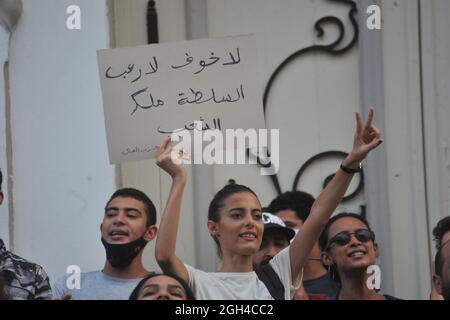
point(298, 201)
point(442, 227)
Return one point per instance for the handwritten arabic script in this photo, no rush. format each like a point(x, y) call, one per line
point(216, 125)
point(154, 90)
point(144, 150)
point(144, 99)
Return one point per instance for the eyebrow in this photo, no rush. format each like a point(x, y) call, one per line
point(274, 238)
point(151, 286)
point(278, 236)
point(126, 209)
point(170, 286)
point(243, 209)
point(175, 286)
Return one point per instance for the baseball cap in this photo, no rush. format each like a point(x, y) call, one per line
point(272, 222)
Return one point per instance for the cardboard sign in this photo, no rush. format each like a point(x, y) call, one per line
point(151, 91)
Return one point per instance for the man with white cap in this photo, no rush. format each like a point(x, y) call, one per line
point(276, 237)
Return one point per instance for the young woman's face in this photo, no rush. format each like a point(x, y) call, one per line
point(240, 227)
point(162, 288)
point(356, 254)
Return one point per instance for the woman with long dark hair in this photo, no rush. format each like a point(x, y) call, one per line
point(235, 223)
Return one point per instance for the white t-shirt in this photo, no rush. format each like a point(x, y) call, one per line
point(242, 285)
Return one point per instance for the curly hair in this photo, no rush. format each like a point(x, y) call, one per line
point(298, 201)
point(442, 227)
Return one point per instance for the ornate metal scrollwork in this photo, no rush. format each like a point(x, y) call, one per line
point(333, 48)
point(321, 156)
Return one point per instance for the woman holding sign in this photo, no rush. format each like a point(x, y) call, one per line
point(235, 223)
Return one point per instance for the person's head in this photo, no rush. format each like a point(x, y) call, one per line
point(276, 237)
point(1, 180)
point(441, 279)
point(127, 226)
point(157, 286)
point(129, 215)
point(292, 207)
point(235, 220)
point(348, 245)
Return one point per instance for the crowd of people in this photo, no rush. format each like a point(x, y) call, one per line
point(292, 249)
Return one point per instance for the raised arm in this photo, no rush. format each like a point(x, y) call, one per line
point(367, 138)
point(168, 228)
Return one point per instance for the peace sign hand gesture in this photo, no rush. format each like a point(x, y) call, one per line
point(367, 138)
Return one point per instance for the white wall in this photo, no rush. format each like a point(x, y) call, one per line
point(62, 176)
point(436, 108)
point(404, 149)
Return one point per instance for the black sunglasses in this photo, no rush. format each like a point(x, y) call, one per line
point(344, 237)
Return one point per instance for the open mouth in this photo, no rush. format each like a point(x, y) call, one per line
point(118, 234)
point(248, 236)
point(357, 253)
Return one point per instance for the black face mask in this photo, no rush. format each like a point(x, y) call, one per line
point(121, 255)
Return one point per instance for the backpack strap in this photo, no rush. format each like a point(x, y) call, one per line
point(272, 281)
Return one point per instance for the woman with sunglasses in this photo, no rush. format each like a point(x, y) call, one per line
point(235, 223)
point(349, 249)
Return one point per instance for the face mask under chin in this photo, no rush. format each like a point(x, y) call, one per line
point(121, 255)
